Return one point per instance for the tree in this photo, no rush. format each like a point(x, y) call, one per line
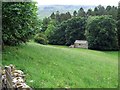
point(113, 11)
point(75, 30)
point(118, 24)
point(20, 22)
point(50, 29)
point(58, 36)
point(81, 12)
point(68, 15)
point(108, 8)
point(101, 10)
point(68, 31)
point(44, 25)
point(52, 16)
point(101, 33)
point(75, 13)
point(96, 11)
point(89, 12)
point(57, 16)
point(62, 17)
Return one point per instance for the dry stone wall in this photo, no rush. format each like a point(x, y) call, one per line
point(13, 79)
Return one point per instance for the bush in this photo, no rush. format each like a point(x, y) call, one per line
point(41, 38)
point(19, 20)
point(101, 33)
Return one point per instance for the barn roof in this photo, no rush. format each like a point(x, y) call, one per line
point(80, 41)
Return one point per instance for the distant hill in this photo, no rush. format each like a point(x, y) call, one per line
point(46, 10)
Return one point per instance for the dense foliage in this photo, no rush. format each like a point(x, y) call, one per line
point(66, 28)
point(101, 33)
point(68, 31)
point(50, 28)
point(58, 36)
point(44, 25)
point(59, 17)
point(81, 12)
point(19, 20)
point(118, 24)
point(97, 11)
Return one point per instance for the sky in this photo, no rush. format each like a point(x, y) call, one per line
point(78, 2)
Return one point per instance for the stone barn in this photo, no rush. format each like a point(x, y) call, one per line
point(81, 44)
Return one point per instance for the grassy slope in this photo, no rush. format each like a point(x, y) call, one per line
point(58, 66)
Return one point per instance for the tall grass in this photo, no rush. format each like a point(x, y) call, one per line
point(48, 66)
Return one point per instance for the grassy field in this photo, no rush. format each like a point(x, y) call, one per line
point(49, 66)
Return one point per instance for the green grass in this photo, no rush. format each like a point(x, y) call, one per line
point(51, 66)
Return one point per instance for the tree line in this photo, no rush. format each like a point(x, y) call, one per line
point(97, 26)
point(100, 27)
point(97, 11)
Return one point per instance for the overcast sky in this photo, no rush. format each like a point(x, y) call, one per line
point(78, 2)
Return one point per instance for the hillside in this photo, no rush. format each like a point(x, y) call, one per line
point(46, 10)
point(50, 66)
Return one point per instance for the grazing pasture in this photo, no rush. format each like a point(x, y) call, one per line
point(52, 66)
